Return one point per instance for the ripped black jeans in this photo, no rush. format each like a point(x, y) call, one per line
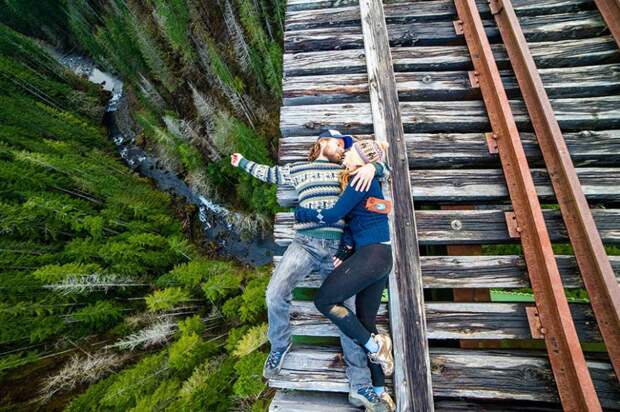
point(365, 275)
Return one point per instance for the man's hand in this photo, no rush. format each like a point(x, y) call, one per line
point(235, 158)
point(362, 177)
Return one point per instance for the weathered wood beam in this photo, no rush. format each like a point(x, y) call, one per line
point(412, 374)
point(305, 401)
point(469, 150)
point(536, 28)
point(564, 53)
point(585, 81)
point(505, 271)
point(452, 320)
point(336, 15)
point(441, 227)
point(489, 185)
point(456, 373)
point(457, 116)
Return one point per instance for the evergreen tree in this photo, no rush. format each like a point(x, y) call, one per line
point(97, 276)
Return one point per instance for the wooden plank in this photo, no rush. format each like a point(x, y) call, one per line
point(493, 405)
point(505, 271)
point(585, 81)
point(452, 320)
point(536, 28)
point(443, 117)
point(338, 16)
point(317, 5)
point(461, 294)
point(304, 401)
point(564, 53)
point(441, 227)
point(412, 374)
point(456, 373)
point(489, 185)
point(468, 150)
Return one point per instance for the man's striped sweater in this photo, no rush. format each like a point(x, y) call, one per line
point(317, 186)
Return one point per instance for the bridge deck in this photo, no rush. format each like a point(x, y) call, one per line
point(459, 188)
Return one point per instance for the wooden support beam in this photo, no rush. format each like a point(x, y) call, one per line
point(467, 294)
point(444, 227)
point(601, 185)
point(449, 151)
point(583, 81)
point(562, 53)
point(457, 373)
point(412, 372)
point(538, 28)
point(481, 272)
point(441, 117)
point(468, 321)
point(341, 14)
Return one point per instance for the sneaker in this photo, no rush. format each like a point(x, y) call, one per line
point(384, 355)
point(367, 398)
point(387, 399)
point(274, 362)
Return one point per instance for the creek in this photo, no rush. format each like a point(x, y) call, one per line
point(219, 224)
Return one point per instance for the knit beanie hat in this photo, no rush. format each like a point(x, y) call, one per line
point(370, 150)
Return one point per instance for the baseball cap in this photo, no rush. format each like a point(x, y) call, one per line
point(348, 139)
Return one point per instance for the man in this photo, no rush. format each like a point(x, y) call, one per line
point(316, 182)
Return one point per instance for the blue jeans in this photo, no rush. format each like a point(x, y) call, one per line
point(303, 256)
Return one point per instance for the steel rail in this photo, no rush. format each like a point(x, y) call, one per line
point(573, 380)
point(610, 10)
point(596, 271)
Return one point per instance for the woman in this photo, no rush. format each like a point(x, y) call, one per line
point(362, 264)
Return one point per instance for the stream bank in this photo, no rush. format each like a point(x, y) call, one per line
point(219, 224)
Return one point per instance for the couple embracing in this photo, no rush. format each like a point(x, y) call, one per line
point(341, 231)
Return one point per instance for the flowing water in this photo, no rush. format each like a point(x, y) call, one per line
point(219, 224)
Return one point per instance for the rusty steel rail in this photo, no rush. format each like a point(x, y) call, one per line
point(596, 271)
point(610, 10)
point(573, 380)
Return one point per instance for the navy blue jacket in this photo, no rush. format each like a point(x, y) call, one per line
point(366, 227)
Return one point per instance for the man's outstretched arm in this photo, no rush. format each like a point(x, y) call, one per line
point(278, 175)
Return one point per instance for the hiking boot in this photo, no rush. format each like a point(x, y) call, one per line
point(274, 362)
point(387, 399)
point(367, 398)
point(384, 355)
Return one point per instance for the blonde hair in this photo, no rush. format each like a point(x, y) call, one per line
point(344, 178)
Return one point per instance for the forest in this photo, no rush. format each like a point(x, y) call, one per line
point(110, 298)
